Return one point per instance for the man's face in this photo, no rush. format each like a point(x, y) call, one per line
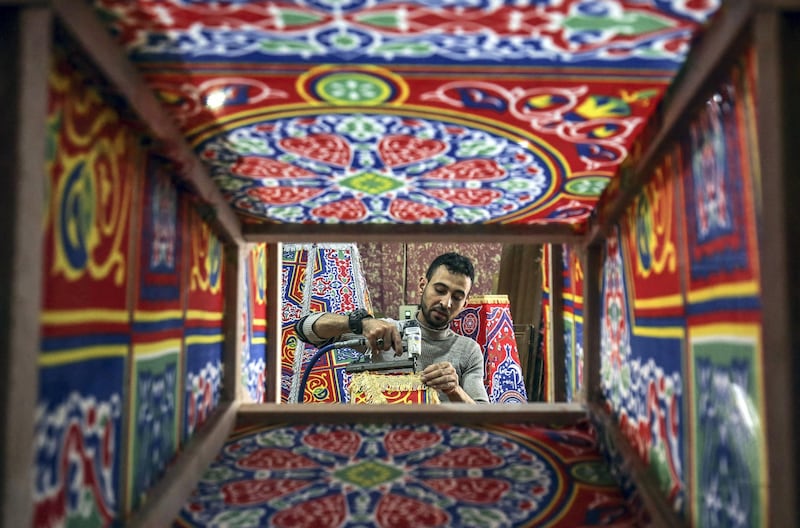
point(443, 296)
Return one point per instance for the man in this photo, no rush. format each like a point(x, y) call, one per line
point(451, 363)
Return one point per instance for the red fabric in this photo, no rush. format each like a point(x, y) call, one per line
point(487, 320)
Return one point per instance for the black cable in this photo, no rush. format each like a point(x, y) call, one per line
point(313, 361)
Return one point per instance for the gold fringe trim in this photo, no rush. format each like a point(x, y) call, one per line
point(372, 386)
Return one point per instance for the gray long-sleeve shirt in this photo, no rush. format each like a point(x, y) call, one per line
point(437, 346)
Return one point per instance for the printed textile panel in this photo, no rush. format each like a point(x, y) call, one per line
point(160, 289)
point(85, 318)
point(573, 321)
point(718, 198)
point(410, 112)
point(153, 416)
point(158, 326)
point(569, 323)
point(488, 321)
point(411, 475)
point(569, 356)
point(78, 444)
point(254, 312)
point(651, 412)
point(730, 460)
point(329, 280)
point(204, 325)
point(373, 388)
point(724, 309)
point(568, 317)
point(641, 370)
point(293, 280)
point(546, 345)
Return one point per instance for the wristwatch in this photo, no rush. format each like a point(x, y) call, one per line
point(355, 320)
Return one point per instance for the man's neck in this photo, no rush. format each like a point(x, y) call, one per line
point(441, 331)
point(424, 324)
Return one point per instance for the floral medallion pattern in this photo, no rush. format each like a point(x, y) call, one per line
point(378, 112)
point(382, 168)
point(401, 475)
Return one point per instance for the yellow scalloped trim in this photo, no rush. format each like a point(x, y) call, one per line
point(499, 298)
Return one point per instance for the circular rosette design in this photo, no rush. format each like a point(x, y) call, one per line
point(468, 322)
point(373, 475)
point(383, 168)
point(352, 85)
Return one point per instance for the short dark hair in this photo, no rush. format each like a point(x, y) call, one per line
point(455, 263)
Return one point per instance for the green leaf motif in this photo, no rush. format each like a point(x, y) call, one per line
point(411, 49)
point(293, 17)
point(285, 46)
point(382, 20)
point(625, 24)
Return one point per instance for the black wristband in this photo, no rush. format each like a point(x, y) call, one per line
point(355, 320)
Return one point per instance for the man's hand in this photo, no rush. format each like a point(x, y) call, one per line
point(382, 335)
point(443, 377)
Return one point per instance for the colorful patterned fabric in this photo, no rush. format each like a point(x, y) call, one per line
point(681, 318)
point(420, 475)
point(204, 320)
point(371, 387)
point(124, 253)
point(158, 333)
point(546, 344)
point(254, 313)
point(573, 322)
point(293, 279)
point(452, 112)
point(86, 323)
point(318, 277)
point(572, 316)
point(487, 320)
point(724, 310)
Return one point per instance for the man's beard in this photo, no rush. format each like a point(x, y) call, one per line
point(426, 314)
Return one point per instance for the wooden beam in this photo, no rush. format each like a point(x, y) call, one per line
point(85, 26)
point(171, 493)
point(25, 39)
point(234, 283)
point(709, 60)
point(592, 313)
point(523, 234)
point(777, 41)
point(654, 500)
point(274, 321)
point(558, 369)
point(530, 413)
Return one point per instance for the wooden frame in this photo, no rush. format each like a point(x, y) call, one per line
point(20, 272)
point(527, 234)
point(539, 413)
point(592, 311)
point(777, 38)
point(235, 257)
point(24, 40)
